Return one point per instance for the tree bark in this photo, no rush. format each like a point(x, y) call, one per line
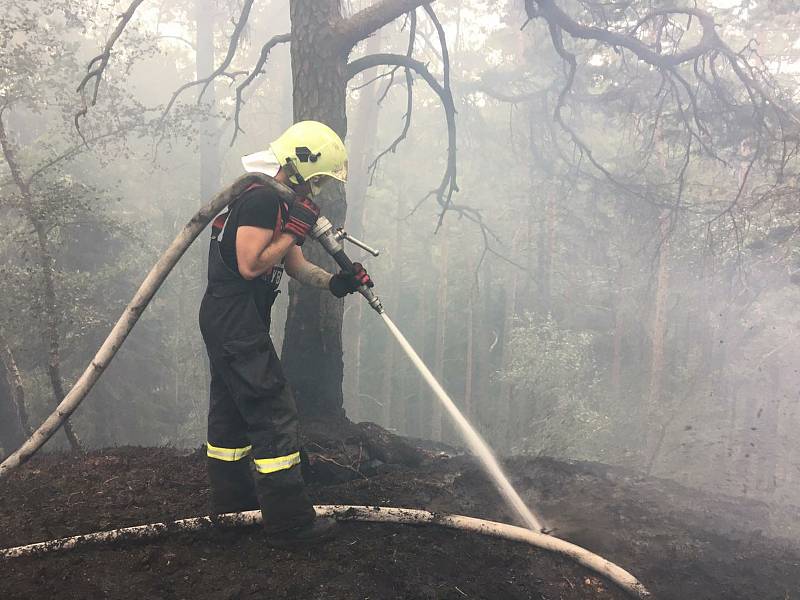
point(321, 42)
point(312, 345)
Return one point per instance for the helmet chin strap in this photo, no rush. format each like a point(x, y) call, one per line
point(292, 172)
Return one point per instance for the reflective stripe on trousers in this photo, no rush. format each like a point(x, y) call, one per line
point(263, 465)
point(279, 463)
point(227, 454)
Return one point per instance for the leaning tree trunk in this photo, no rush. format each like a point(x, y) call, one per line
point(312, 346)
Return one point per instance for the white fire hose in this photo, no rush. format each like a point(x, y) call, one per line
point(373, 514)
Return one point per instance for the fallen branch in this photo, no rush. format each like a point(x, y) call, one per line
point(133, 311)
point(372, 514)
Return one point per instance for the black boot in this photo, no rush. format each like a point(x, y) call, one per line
point(319, 531)
point(232, 486)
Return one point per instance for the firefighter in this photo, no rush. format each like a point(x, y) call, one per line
point(252, 419)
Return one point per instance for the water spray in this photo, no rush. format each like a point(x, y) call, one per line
point(331, 239)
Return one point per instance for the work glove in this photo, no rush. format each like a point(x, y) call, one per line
point(303, 214)
point(347, 282)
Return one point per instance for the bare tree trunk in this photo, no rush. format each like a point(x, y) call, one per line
point(505, 406)
point(545, 247)
point(15, 385)
point(205, 17)
point(420, 415)
point(392, 288)
point(659, 323)
point(361, 147)
point(209, 135)
point(619, 333)
point(469, 365)
point(321, 43)
point(484, 340)
point(52, 317)
point(53, 322)
point(531, 214)
point(14, 423)
point(312, 346)
point(441, 331)
point(767, 458)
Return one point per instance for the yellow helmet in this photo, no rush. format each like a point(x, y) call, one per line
point(310, 149)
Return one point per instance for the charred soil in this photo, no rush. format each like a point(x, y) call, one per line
point(682, 544)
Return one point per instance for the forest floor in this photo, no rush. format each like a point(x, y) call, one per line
point(682, 544)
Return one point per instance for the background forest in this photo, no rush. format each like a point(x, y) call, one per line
point(624, 287)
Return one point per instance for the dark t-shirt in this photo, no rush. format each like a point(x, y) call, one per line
point(257, 208)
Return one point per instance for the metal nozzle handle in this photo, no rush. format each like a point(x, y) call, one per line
point(356, 242)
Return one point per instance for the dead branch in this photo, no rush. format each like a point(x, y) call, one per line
point(666, 53)
point(258, 69)
point(557, 17)
point(409, 101)
point(221, 70)
point(448, 186)
point(96, 67)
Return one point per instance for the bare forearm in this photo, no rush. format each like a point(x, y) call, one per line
point(310, 274)
point(272, 255)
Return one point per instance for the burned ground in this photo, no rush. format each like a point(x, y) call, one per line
point(682, 544)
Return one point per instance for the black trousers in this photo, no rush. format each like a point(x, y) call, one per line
point(253, 435)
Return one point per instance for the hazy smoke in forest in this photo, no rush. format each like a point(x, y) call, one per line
point(617, 279)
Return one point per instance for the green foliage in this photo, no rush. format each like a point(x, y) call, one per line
point(553, 374)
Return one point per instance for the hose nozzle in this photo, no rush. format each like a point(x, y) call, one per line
point(331, 240)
